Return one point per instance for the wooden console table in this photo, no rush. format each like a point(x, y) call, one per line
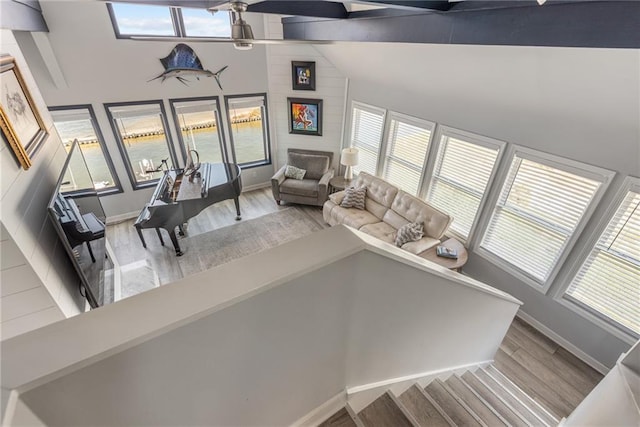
point(452, 264)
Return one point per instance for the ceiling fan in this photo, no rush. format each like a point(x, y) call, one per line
point(241, 33)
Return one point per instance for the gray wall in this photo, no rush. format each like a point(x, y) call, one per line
point(582, 104)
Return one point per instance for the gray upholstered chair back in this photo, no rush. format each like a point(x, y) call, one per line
point(312, 152)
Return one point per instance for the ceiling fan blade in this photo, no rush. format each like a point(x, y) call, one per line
point(222, 40)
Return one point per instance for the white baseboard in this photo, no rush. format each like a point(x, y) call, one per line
point(256, 186)
point(563, 342)
point(114, 219)
point(415, 377)
point(322, 412)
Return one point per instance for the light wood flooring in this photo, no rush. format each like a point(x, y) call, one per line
point(547, 372)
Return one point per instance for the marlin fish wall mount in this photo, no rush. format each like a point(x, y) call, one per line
point(182, 62)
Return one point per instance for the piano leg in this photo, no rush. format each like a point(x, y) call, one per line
point(139, 230)
point(174, 240)
point(181, 232)
point(237, 202)
point(160, 236)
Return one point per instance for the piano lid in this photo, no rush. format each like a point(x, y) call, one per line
point(213, 175)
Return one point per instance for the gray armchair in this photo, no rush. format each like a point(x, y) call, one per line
point(314, 188)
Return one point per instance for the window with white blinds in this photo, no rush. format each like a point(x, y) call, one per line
point(541, 206)
point(407, 144)
point(367, 125)
point(608, 282)
point(464, 167)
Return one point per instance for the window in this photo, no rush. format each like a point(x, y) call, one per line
point(407, 144)
point(247, 119)
point(198, 122)
point(141, 131)
point(79, 122)
point(542, 204)
point(464, 168)
point(608, 282)
point(366, 135)
point(131, 19)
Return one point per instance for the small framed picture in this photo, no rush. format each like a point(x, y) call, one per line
point(20, 120)
point(305, 116)
point(303, 75)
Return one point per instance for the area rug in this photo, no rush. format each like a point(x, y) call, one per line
point(207, 250)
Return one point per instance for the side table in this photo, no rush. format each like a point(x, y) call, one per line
point(452, 264)
point(338, 183)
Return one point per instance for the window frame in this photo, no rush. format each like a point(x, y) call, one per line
point(629, 184)
point(373, 110)
point(604, 176)
point(218, 114)
point(123, 151)
point(266, 131)
point(117, 187)
point(383, 155)
point(472, 138)
point(177, 21)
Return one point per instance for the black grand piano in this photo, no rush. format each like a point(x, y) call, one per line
point(178, 198)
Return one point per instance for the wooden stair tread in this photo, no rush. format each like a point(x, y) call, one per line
point(510, 415)
point(476, 403)
point(425, 413)
point(339, 419)
point(450, 405)
point(383, 412)
point(500, 378)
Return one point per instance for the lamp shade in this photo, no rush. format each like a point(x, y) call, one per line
point(349, 157)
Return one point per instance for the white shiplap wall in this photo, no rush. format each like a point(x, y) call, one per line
point(37, 284)
point(330, 87)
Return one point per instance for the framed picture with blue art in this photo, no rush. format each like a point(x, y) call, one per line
point(303, 75)
point(305, 116)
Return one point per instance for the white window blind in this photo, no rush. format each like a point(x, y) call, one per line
point(538, 210)
point(609, 280)
point(460, 178)
point(367, 124)
point(407, 144)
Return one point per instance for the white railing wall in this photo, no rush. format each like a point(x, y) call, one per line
point(615, 401)
point(259, 341)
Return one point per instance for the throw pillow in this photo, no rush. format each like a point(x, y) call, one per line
point(354, 197)
point(409, 233)
point(294, 172)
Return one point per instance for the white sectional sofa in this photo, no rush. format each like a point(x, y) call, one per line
point(387, 208)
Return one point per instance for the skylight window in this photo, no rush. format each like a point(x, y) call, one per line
point(152, 20)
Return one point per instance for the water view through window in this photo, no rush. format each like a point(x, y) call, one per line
point(247, 118)
point(199, 126)
point(78, 124)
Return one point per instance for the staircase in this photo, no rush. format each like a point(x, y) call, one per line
point(485, 397)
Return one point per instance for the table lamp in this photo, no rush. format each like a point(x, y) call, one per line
point(349, 158)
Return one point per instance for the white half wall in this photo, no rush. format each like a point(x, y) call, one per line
point(581, 104)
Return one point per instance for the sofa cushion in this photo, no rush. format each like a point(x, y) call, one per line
point(300, 187)
point(337, 197)
point(381, 230)
point(421, 245)
point(315, 165)
point(354, 197)
point(353, 217)
point(378, 190)
point(416, 210)
point(409, 233)
point(294, 172)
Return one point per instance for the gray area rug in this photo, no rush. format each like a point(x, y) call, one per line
point(220, 246)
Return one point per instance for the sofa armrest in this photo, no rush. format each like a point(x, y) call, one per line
point(276, 180)
point(323, 185)
point(337, 197)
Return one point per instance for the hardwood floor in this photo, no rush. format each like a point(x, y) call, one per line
point(550, 374)
point(253, 204)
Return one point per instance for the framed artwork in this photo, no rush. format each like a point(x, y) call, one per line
point(21, 124)
point(305, 116)
point(303, 75)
